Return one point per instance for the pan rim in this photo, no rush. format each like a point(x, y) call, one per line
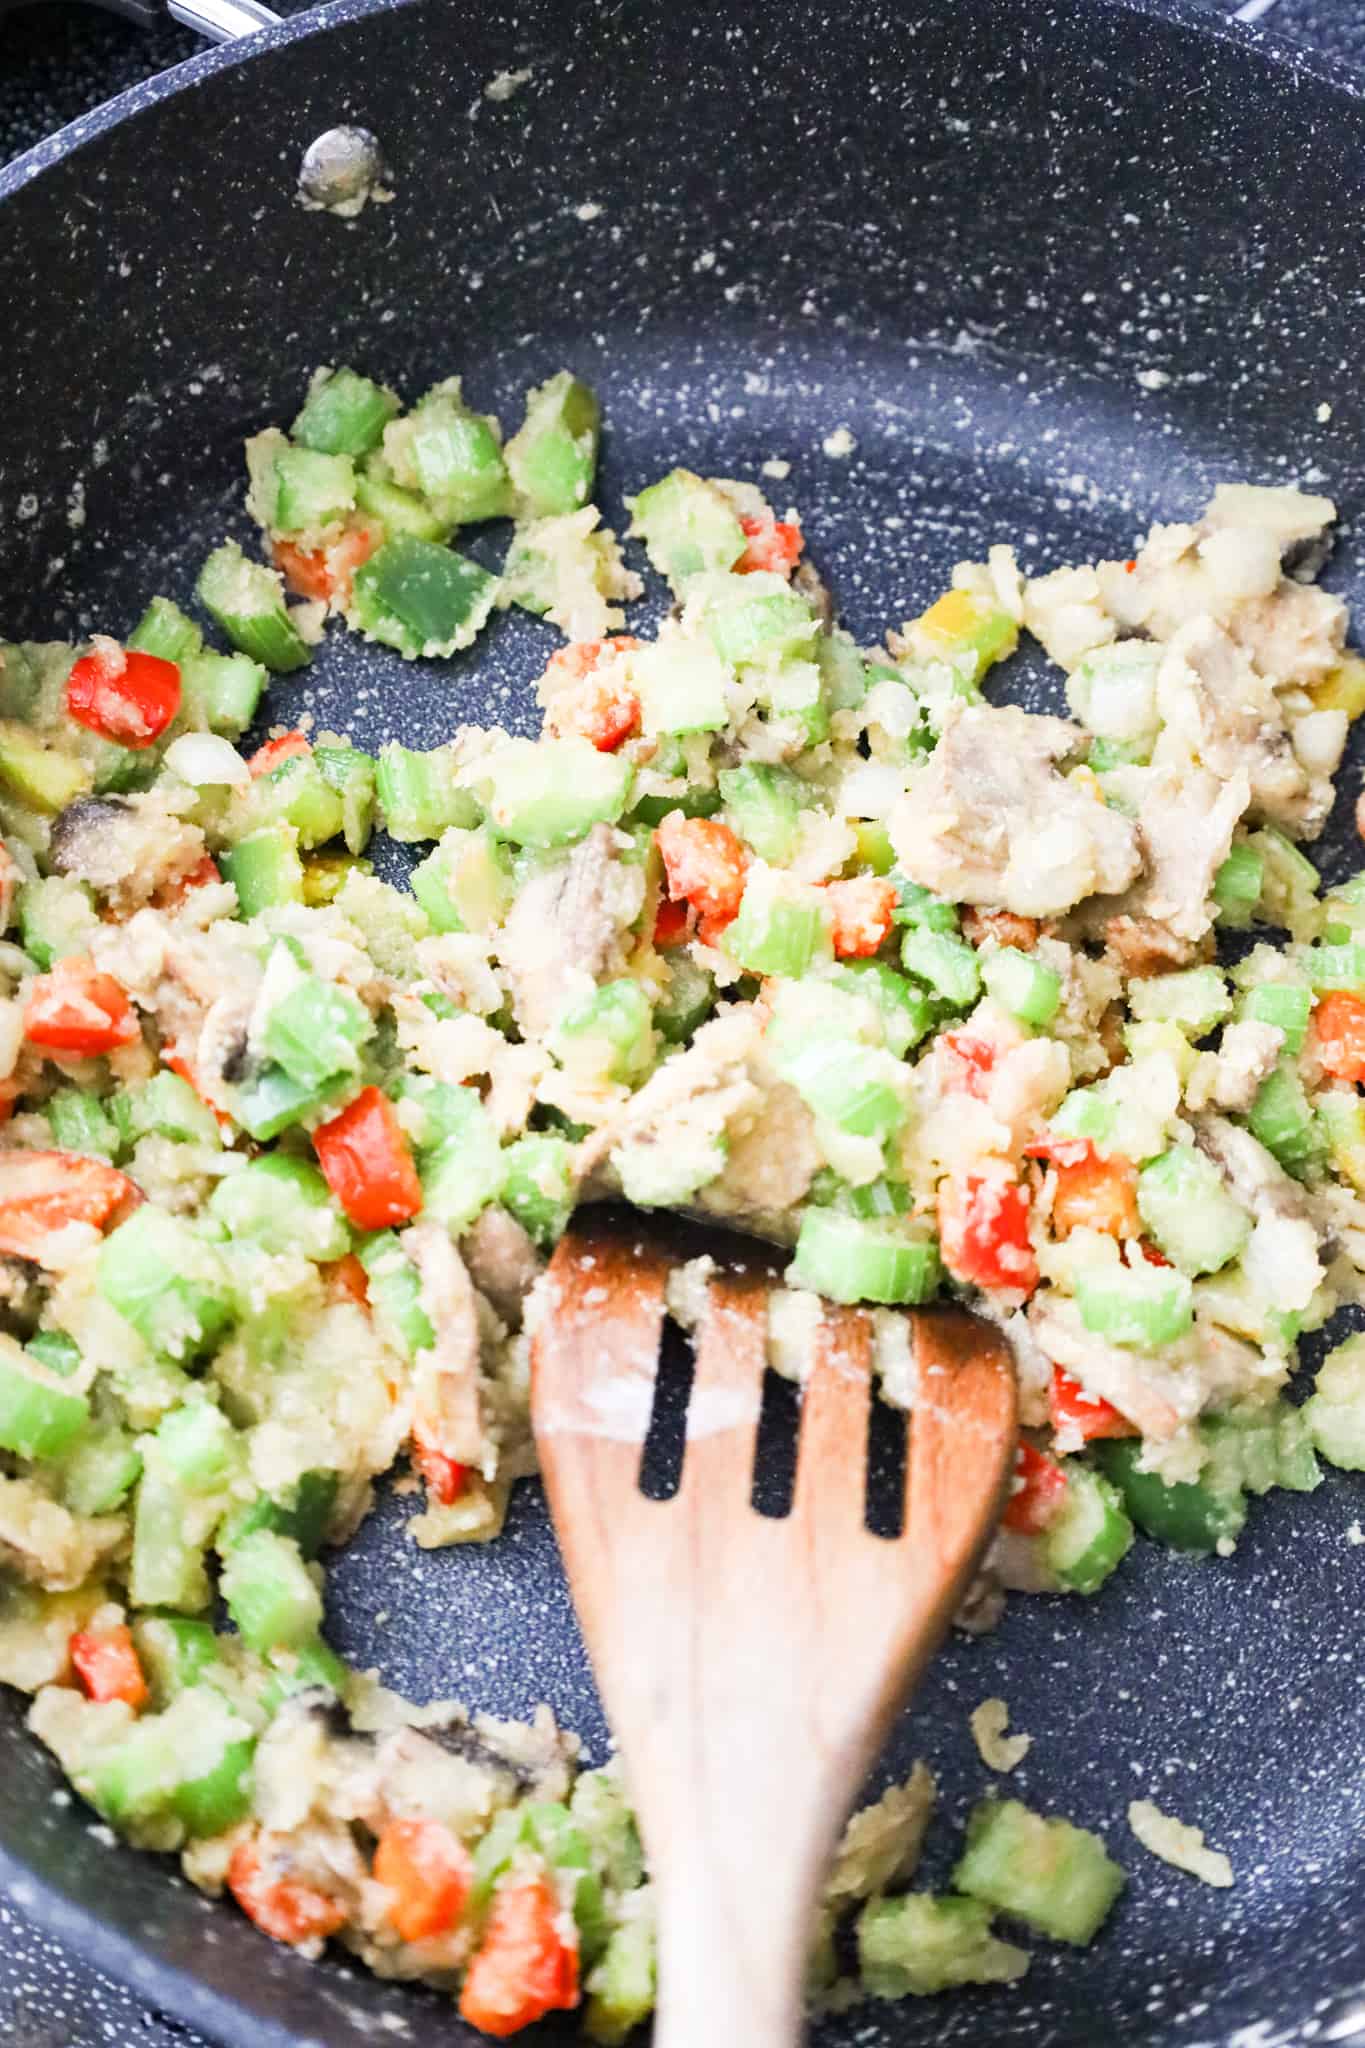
point(165, 1985)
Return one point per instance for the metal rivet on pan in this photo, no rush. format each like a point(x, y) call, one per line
point(341, 170)
point(1347, 2023)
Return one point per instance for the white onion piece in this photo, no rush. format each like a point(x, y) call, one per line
point(1319, 740)
point(870, 790)
point(202, 758)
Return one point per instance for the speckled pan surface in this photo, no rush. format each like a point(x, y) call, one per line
point(1056, 270)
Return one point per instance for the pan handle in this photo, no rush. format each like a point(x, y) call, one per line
point(222, 21)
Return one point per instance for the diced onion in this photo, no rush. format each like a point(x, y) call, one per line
point(203, 758)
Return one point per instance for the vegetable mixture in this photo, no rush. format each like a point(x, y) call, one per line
point(816, 938)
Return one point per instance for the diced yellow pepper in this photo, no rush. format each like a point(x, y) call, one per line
point(960, 623)
point(325, 873)
point(1342, 689)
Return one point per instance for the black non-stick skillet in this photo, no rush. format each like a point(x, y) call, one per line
point(1055, 270)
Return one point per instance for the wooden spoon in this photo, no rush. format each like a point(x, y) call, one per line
point(750, 1666)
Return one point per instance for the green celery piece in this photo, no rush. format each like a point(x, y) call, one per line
point(1091, 1535)
point(100, 1470)
point(55, 1352)
point(306, 1669)
point(39, 1417)
point(920, 1944)
point(1028, 989)
point(166, 1282)
point(302, 1516)
point(757, 628)
point(421, 598)
point(848, 1085)
point(175, 1653)
point(553, 455)
point(295, 794)
point(916, 905)
point(399, 511)
point(688, 527)
point(1287, 1005)
point(451, 454)
point(312, 490)
point(688, 998)
point(168, 1107)
point(539, 1185)
point(40, 776)
point(906, 1011)
point(465, 883)
point(550, 792)
point(316, 1031)
point(1283, 1119)
point(1197, 998)
point(1145, 1306)
point(57, 917)
point(269, 1593)
point(1237, 886)
point(344, 414)
point(947, 965)
point(264, 869)
point(418, 795)
point(1053, 1876)
point(463, 1175)
point(164, 630)
point(396, 1293)
point(220, 692)
point(851, 1260)
point(81, 1123)
point(618, 1016)
point(188, 1763)
point(1191, 1515)
point(621, 1989)
point(1188, 1210)
point(284, 1204)
point(351, 774)
point(776, 934)
point(764, 805)
point(247, 600)
point(198, 1448)
point(167, 1567)
point(271, 1100)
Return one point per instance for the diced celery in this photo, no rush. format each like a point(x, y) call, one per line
point(1335, 1412)
point(1091, 1536)
point(854, 1087)
point(1146, 1306)
point(682, 688)
point(1289, 886)
point(302, 1515)
point(688, 997)
point(316, 1031)
point(56, 918)
point(270, 1100)
point(452, 456)
point(693, 802)
point(164, 630)
point(764, 807)
point(421, 598)
point(269, 1592)
point(1259, 1448)
point(399, 511)
point(168, 1107)
point(264, 869)
point(419, 797)
point(311, 490)
point(918, 1944)
point(852, 1260)
point(351, 774)
point(875, 850)
point(552, 791)
point(1112, 691)
point(247, 601)
point(600, 1807)
point(1336, 967)
point(284, 1204)
point(916, 905)
point(464, 1174)
point(189, 1765)
point(962, 625)
point(166, 1282)
point(1196, 999)
point(465, 883)
point(1283, 1119)
point(297, 794)
point(764, 625)
point(39, 1417)
point(167, 1567)
point(1237, 886)
point(1051, 1875)
point(947, 965)
point(780, 928)
point(198, 1448)
point(100, 1470)
point(553, 455)
point(175, 1653)
point(687, 526)
point(220, 692)
point(906, 1012)
point(1285, 1004)
point(1188, 1210)
point(81, 1123)
point(396, 1293)
point(1029, 989)
point(55, 1352)
point(1341, 1116)
point(1190, 1515)
point(343, 414)
point(621, 1988)
point(612, 1028)
point(40, 776)
point(843, 672)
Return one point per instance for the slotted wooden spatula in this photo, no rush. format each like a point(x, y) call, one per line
point(750, 1666)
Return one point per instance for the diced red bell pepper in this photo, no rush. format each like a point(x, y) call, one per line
point(1089, 1415)
point(276, 752)
point(446, 1478)
point(77, 1010)
point(983, 1220)
point(127, 697)
point(672, 924)
point(1339, 1035)
point(581, 657)
point(1039, 1491)
point(704, 863)
point(860, 912)
point(283, 1907)
point(201, 876)
point(525, 1966)
point(365, 1159)
point(428, 1872)
point(773, 544)
point(965, 1063)
point(1096, 1194)
point(42, 1192)
point(595, 707)
point(108, 1666)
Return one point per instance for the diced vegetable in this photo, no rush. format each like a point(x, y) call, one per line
point(316, 1030)
point(39, 1417)
point(426, 1871)
point(947, 965)
point(265, 869)
point(421, 598)
point(1038, 1492)
point(849, 1259)
point(1196, 999)
point(127, 697)
point(364, 1155)
point(538, 1186)
point(247, 601)
point(1051, 1875)
point(269, 1592)
point(918, 1944)
point(281, 1906)
point(983, 1221)
point(395, 1294)
point(37, 774)
point(343, 414)
point(622, 1987)
point(1095, 1194)
point(164, 630)
point(1146, 1306)
point(1090, 1536)
point(78, 1011)
point(1335, 1412)
point(1188, 1210)
point(284, 1204)
point(554, 792)
point(1237, 886)
point(1283, 1119)
point(452, 456)
point(860, 915)
point(962, 627)
point(687, 527)
point(523, 1968)
point(418, 795)
point(1076, 1412)
point(1339, 1035)
point(166, 1282)
point(764, 807)
point(44, 1193)
point(1029, 989)
point(1285, 1004)
point(1198, 1515)
point(552, 457)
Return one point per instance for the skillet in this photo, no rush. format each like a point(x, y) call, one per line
point(1056, 270)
